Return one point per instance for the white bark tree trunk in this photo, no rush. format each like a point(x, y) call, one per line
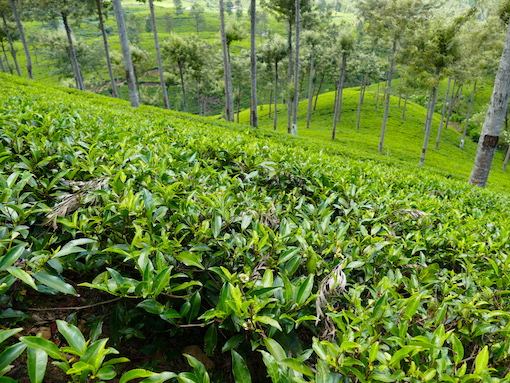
point(158, 55)
point(229, 98)
point(22, 37)
point(387, 96)
point(428, 124)
point(254, 118)
point(493, 120)
point(126, 53)
point(296, 69)
point(106, 48)
point(72, 54)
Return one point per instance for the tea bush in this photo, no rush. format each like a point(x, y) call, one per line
point(283, 264)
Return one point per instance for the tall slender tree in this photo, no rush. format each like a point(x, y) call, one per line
point(285, 10)
point(126, 53)
point(295, 98)
point(227, 72)
point(8, 33)
point(22, 37)
point(272, 52)
point(158, 55)
point(391, 20)
point(494, 119)
point(312, 38)
point(345, 45)
point(100, 16)
point(254, 118)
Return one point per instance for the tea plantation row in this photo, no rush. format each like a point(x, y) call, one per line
point(278, 264)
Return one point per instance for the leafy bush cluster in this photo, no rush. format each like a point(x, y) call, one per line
point(281, 264)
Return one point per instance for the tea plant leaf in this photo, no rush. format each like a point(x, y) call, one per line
point(73, 336)
point(232, 343)
point(12, 256)
point(267, 320)
point(481, 361)
point(240, 369)
point(22, 275)
point(190, 259)
point(10, 354)
point(4, 334)
point(275, 349)
point(37, 361)
point(162, 280)
point(73, 247)
point(412, 306)
point(305, 290)
point(135, 374)
point(42, 344)
point(296, 365)
point(55, 283)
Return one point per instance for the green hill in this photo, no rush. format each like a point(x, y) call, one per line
point(403, 142)
point(262, 257)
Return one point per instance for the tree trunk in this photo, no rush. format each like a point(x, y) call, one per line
point(275, 117)
point(270, 103)
point(229, 98)
point(126, 53)
point(493, 120)
point(289, 79)
point(387, 96)
point(428, 124)
point(377, 96)
point(360, 103)
point(453, 99)
point(296, 69)
point(318, 92)
point(254, 118)
point(339, 96)
point(445, 102)
point(239, 104)
point(72, 53)
point(310, 87)
point(11, 44)
point(470, 109)
point(2, 67)
point(183, 89)
point(404, 109)
point(507, 157)
point(106, 48)
point(22, 37)
point(5, 57)
point(158, 55)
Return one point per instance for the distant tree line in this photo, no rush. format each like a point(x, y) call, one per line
point(422, 43)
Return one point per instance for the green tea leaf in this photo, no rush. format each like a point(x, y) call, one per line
point(22, 275)
point(11, 257)
point(73, 335)
point(10, 354)
point(4, 334)
point(162, 281)
point(267, 320)
point(37, 360)
point(233, 342)
point(305, 290)
point(135, 374)
point(296, 365)
point(190, 259)
point(48, 347)
point(412, 305)
point(240, 369)
point(481, 361)
point(55, 282)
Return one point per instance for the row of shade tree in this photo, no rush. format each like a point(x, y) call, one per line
point(424, 46)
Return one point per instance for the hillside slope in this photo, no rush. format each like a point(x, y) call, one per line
point(403, 142)
point(168, 233)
